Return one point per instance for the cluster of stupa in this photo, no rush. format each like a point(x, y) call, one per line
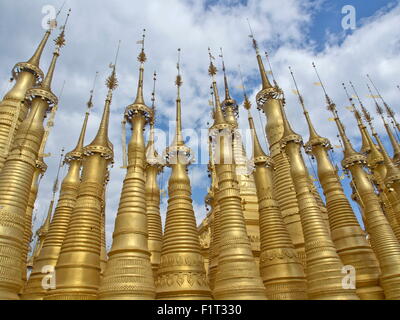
point(269, 234)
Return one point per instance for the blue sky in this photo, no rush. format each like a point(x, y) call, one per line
point(294, 32)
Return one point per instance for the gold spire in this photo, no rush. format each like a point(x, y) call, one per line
point(101, 140)
point(346, 233)
point(181, 274)
point(269, 100)
point(40, 170)
point(320, 251)
point(348, 147)
point(393, 141)
point(19, 172)
point(376, 223)
point(128, 274)
point(60, 42)
point(229, 105)
point(152, 191)
point(35, 59)
point(388, 109)
point(284, 278)
point(152, 156)
point(78, 150)
point(32, 65)
point(365, 145)
point(178, 140)
point(311, 129)
point(227, 94)
point(211, 199)
point(43, 230)
point(142, 59)
point(219, 119)
point(82, 241)
point(266, 84)
point(59, 225)
point(14, 107)
point(235, 252)
point(258, 152)
point(391, 176)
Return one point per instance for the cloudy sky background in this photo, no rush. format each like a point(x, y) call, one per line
point(294, 32)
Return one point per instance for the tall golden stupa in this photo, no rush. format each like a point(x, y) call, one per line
point(269, 233)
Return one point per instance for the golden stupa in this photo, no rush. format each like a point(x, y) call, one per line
point(269, 233)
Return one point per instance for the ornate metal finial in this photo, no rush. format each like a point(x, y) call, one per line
point(351, 100)
point(60, 40)
point(379, 109)
point(178, 81)
point(90, 102)
point(390, 112)
point(221, 55)
point(255, 44)
point(142, 56)
point(366, 114)
point(112, 81)
point(331, 106)
point(212, 70)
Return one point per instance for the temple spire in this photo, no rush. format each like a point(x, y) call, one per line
point(348, 148)
point(264, 79)
point(229, 106)
point(44, 228)
point(178, 82)
point(227, 94)
point(212, 71)
point(366, 146)
point(258, 152)
point(142, 59)
point(80, 144)
point(388, 109)
point(151, 154)
point(34, 61)
point(60, 42)
point(101, 138)
point(393, 141)
point(313, 132)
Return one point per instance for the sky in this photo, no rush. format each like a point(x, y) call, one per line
point(295, 33)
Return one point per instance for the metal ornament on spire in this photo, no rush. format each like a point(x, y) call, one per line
point(314, 139)
point(389, 110)
point(90, 101)
point(219, 119)
point(229, 105)
point(367, 145)
point(44, 90)
point(139, 106)
point(178, 152)
point(393, 141)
